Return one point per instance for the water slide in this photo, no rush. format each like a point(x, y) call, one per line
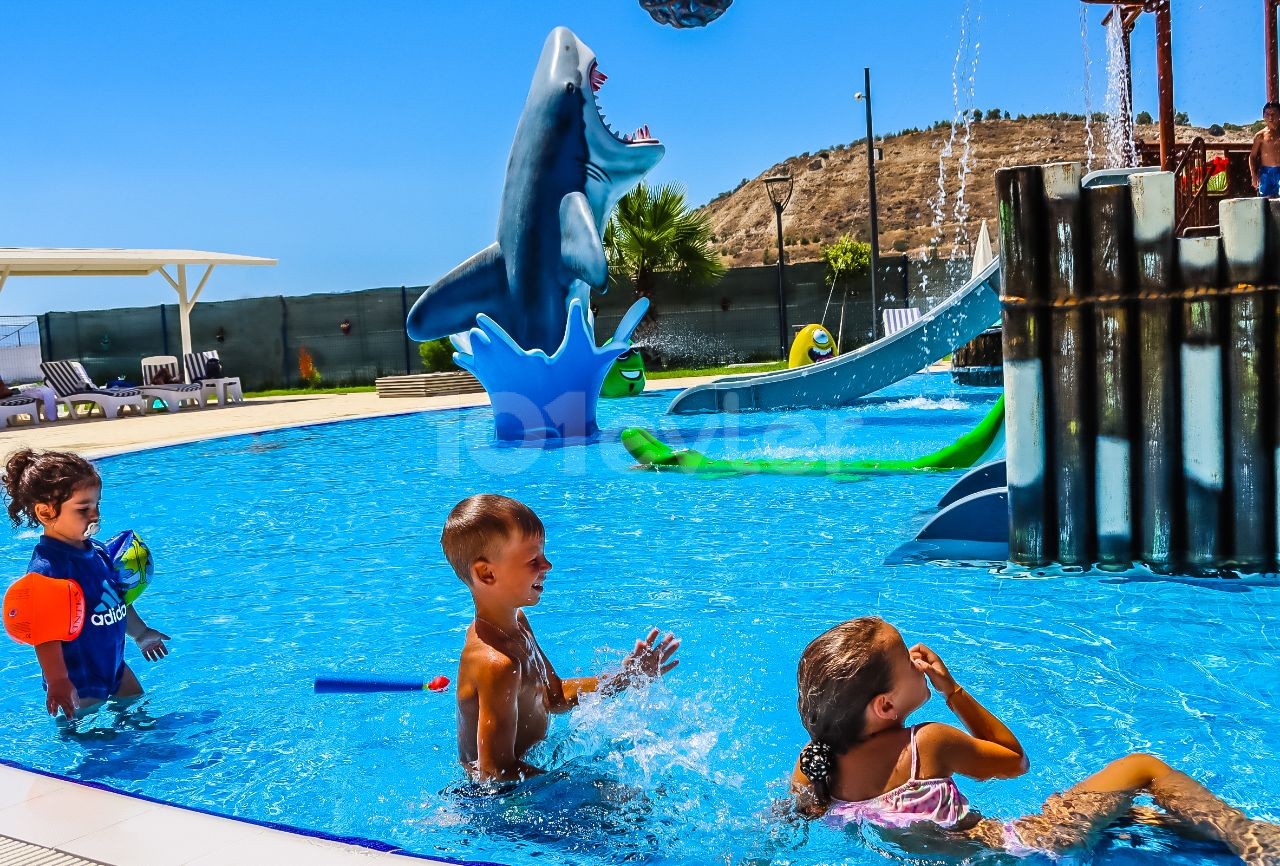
point(845, 378)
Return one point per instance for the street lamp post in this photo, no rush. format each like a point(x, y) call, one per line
point(779, 188)
point(865, 96)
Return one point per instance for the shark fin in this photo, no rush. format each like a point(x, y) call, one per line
point(450, 304)
point(581, 249)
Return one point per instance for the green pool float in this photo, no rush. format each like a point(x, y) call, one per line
point(651, 453)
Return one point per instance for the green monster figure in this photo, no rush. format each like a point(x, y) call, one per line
point(626, 376)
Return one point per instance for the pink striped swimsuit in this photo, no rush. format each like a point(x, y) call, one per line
point(915, 800)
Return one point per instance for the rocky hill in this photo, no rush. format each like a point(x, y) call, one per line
point(830, 195)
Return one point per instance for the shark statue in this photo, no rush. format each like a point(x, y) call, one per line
point(566, 172)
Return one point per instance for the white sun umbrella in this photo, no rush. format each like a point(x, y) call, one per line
point(983, 254)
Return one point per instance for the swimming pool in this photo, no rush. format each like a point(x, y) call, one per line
point(288, 554)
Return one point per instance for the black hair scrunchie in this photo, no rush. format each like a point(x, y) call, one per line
point(816, 762)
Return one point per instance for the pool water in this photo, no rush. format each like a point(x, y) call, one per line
point(289, 554)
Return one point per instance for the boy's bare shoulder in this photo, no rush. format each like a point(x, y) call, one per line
point(484, 662)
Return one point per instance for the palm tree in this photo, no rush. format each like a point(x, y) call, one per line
point(652, 230)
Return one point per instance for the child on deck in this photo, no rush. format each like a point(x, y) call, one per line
point(506, 685)
point(1264, 158)
point(61, 492)
point(859, 683)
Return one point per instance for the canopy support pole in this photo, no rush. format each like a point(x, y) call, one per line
point(185, 304)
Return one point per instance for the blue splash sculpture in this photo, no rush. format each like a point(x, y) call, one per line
point(566, 172)
point(535, 396)
point(685, 13)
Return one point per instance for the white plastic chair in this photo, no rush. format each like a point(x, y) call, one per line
point(175, 392)
point(12, 407)
point(225, 388)
point(73, 385)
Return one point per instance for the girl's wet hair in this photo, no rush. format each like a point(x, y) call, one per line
point(840, 672)
point(51, 478)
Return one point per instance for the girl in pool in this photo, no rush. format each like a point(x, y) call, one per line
point(858, 684)
point(60, 492)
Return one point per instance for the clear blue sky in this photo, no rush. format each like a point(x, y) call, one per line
point(364, 143)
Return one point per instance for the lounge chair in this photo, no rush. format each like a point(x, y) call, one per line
point(225, 388)
point(896, 319)
point(12, 407)
point(73, 385)
point(174, 392)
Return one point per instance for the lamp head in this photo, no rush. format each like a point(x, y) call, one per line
point(779, 188)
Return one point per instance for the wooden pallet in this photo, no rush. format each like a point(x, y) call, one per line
point(428, 384)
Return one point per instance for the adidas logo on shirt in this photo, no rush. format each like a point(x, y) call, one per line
point(110, 609)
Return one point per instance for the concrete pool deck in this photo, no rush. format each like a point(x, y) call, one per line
point(45, 820)
point(99, 437)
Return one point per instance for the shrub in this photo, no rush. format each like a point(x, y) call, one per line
point(767, 257)
point(1144, 117)
point(901, 246)
point(1006, 115)
point(993, 114)
point(437, 355)
point(1181, 118)
point(307, 368)
point(977, 114)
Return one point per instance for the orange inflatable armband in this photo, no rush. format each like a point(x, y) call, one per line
point(38, 609)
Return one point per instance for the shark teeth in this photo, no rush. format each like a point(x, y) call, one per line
point(640, 136)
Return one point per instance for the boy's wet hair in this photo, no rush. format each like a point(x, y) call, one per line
point(840, 672)
point(479, 523)
point(1270, 105)
point(31, 478)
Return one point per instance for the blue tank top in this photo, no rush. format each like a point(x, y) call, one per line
point(95, 659)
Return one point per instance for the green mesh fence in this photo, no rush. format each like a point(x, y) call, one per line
point(354, 337)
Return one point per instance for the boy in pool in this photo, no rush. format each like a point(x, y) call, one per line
point(1264, 158)
point(506, 685)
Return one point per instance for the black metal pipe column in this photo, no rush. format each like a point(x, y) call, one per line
point(1070, 371)
point(1159, 471)
point(1203, 428)
point(1110, 215)
point(1272, 282)
point(1023, 289)
point(1249, 464)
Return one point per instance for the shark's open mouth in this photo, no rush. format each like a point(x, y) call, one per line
point(640, 136)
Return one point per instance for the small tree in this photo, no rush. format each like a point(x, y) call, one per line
point(1144, 117)
point(1181, 118)
point(846, 259)
point(993, 114)
point(977, 114)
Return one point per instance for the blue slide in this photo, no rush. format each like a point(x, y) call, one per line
point(845, 378)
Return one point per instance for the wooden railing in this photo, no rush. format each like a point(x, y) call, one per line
point(1190, 178)
point(1196, 203)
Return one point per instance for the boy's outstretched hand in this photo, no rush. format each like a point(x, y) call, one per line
point(649, 659)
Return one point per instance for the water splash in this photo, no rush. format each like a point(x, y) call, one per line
point(1088, 89)
point(1121, 148)
point(964, 70)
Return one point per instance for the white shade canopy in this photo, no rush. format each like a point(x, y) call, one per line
point(75, 262)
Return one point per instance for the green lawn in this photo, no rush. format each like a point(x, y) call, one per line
point(293, 392)
point(651, 374)
point(716, 371)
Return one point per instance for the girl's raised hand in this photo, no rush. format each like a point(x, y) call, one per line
point(929, 664)
point(151, 642)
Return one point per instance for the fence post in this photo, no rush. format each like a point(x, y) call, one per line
point(284, 342)
point(404, 317)
point(46, 339)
